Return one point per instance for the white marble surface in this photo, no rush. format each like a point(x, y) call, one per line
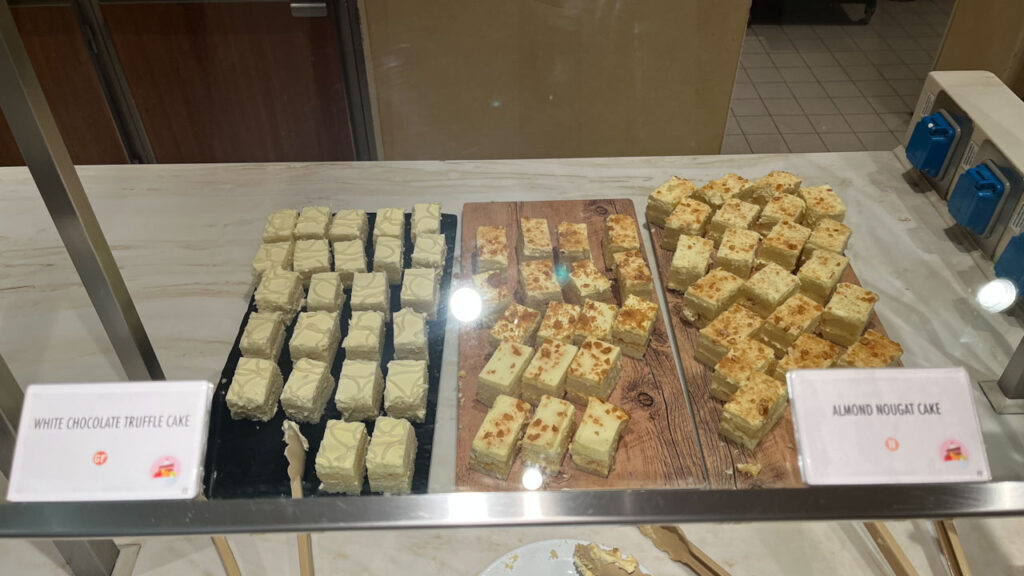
point(184, 236)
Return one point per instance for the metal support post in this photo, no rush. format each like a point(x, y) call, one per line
point(1007, 393)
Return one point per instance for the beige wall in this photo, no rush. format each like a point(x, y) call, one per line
point(551, 78)
point(986, 35)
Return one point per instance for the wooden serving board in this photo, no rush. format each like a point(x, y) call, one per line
point(777, 453)
point(659, 447)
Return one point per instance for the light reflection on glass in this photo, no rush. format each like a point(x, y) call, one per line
point(465, 304)
point(997, 295)
point(532, 478)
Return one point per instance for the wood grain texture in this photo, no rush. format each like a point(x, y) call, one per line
point(234, 81)
point(61, 61)
point(659, 447)
point(777, 453)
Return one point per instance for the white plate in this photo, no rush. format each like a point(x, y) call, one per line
point(544, 558)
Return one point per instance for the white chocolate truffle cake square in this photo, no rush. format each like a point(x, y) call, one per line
point(784, 244)
point(538, 284)
point(822, 202)
point(846, 314)
point(495, 297)
point(594, 371)
point(280, 291)
point(633, 276)
point(768, 288)
point(820, 275)
point(492, 249)
point(313, 223)
point(586, 282)
point(558, 323)
point(341, 460)
point(497, 440)
point(708, 297)
point(518, 324)
point(280, 226)
point(595, 321)
point(420, 291)
point(349, 225)
point(748, 355)
point(411, 335)
point(733, 214)
point(573, 242)
point(349, 260)
point(715, 339)
point(776, 183)
point(827, 235)
point(390, 222)
point(620, 235)
point(753, 410)
point(429, 251)
point(546, 438)
point(633, 325)
point(534, 239)
point(690, 262)
point(255, 389)
point(737, 251)
point(690, 218)
point(503, 373)
point(426, 219)
point(387, 258)
point(307, 390)
point(263, 336)
point(780, 208)
point(596, 440)
point(311, 257)
point(370, 292)
point(666, 197)
point(717, 192)
point(808, 352)
point(365, 337)
point(360, 390)
point(873, 350)
point(405, 390)
point(326, 292)
point(547, 371)
point(272, 255)
point(391, 457)
point(316, 336)
point(796, 316)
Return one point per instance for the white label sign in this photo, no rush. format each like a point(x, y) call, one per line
point(887, 426)
point(125, 441)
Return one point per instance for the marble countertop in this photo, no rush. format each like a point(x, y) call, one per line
point(184, 236)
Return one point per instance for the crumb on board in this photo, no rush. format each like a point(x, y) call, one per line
point(751, 470)
point(462, 373)
point(511, 564)
point(554, 554)
point(728, 471)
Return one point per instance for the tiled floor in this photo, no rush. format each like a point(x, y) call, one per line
point(834, 88)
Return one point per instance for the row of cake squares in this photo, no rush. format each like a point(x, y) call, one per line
point(543, 439)
point(318, 222)
point(348, 454)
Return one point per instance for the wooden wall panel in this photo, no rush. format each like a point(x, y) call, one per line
point(233, 82)
point(54, 44)
point(986, 35)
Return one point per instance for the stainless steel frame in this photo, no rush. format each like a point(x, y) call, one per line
point(1007, 393)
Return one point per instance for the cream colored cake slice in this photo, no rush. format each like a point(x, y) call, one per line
point(277, 255)
point(360, 390)
point(410, 337)
point(594, 371)
point(494, 447)
point(518, 324)
point(664, 199)
point(595, 321)
point(783, 245)
point(254, 390)
point(559, 323)
point(280, 291)
point(586, 282)
point(708, 297)
point(390, 222)
point(767, 289)
point(420, 291)
point(633, 325)
point(405, 390)
point(873, 350)
point(807, 352)
point(349, 225)
point(780, 208)
point(316, 336)
point(537, 283)
point(313, 223)
point(388, 255)
point(326, 292)
point(746, 356)
point(597, 438)
point(547, 436)
point(798, 315)
point(822, 202)
point(620, 235)
point(370, 292)
point(715, 339)
point(311, 257)
point(263, 336)
point(503, 373)
point(534, 239)
point(847, 313)
point(737, 250)
point(492, 249)
point(547, 371)
point(280, 226)
point(365, 338)
point(391, 456)
point(633, 276)
point(733, 214)
point(827, 235)
point(573, 242)
point(429, 251)
point(495, 297)
point(766, 188)
point(820, 275)
point(307, 390)
point(426, 219)
point(752, 412)
point(341, 460)
point(689, 218)
point(349, 260)
point(690, 262)
point(717, 192)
